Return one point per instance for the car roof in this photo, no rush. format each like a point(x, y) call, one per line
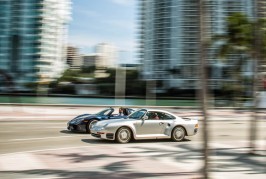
point(151, 109)
point(157, 110)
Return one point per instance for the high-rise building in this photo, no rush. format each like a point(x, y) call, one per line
point(261, 5)
point(32, 39)
point(89, 60)
point(169, 38)
point(107, 56)
point(74, 59)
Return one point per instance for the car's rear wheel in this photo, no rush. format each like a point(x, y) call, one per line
point(123, 135)
point(178, 134)
point(90, 124)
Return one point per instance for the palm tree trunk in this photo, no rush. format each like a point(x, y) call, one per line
point(256, 47)
point(253, 121)
point(203, 92)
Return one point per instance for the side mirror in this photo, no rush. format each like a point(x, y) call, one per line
point(145, 118)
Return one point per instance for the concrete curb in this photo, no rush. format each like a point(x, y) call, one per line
point(133, 106)
point(88, 105)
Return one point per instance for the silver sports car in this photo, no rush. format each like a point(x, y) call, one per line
point(146, 124)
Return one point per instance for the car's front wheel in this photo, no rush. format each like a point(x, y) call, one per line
point(178, 134)
point(90, 124)
point(123, 135)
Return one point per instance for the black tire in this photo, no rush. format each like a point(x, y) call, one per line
point(178, 134)
point(123, 135)
point(90, 124)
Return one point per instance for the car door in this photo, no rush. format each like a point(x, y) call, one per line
point(165, 122)
point(148, 127)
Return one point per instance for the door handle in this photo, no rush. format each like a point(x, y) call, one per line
point(161, 123)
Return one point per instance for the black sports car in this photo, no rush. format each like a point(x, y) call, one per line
point(84, 122)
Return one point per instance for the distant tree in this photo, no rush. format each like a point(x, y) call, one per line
point(241, 39)
point(106, 85)
point(69, 76)
point(88, 69)
point(134, 86)
point(32, 86)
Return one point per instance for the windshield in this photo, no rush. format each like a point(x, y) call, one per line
point(138, 114)
point(105, 112)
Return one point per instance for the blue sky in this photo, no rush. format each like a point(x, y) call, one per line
point(96, 21)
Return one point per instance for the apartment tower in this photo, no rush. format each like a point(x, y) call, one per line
point(32, 39)
point(169, 39)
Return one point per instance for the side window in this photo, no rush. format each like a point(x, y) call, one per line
point(107, 112)
point(166, 116)
point(138, 114)
point(154, 115)
point(150, 115)
point(160, 115)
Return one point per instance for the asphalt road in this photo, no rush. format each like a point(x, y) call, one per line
point(39, 146)
point(28, 135)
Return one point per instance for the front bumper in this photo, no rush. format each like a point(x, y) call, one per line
point(103, 134)
point(196, 131)
point(76, 127)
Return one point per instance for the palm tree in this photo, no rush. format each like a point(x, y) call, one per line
point(203, 92)
point(245, 37)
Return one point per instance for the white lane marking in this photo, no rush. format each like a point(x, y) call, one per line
point(20, 161)
point(42, 138)
point(38, 128)
point(33, 117)
point(37, 123)
point(7, 132)
point(35, 129)
point(44, 150)
point(52, 128)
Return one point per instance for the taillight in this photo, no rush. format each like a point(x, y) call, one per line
point(197, 126)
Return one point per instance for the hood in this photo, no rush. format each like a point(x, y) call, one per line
point(90, 116)
point(81, 117)
point(86, 116)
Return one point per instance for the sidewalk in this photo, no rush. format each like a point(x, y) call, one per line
point(103, 159)
point(68, 112)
